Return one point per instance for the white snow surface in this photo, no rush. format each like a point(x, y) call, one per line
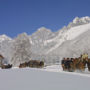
point(58, 68)
point(40, 79)
point(69, 35)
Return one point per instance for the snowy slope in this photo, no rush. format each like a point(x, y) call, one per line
point(34, 79)
point(76, 46)
point(50, 42)
point(70, 34)
point(74, 37)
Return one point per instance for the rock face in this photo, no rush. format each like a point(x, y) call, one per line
point(51, 47)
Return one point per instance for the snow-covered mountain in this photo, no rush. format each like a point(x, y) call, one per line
point(70, 41)
point(6, 47)
point(4, 37)
point(79, 21)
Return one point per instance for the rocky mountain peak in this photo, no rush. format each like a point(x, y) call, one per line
point(4, 37)
point(79, 21)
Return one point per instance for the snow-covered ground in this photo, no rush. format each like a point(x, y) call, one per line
point(40, 79)
point(58, 68)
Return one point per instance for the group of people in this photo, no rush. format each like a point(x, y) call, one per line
point(33, 64)
point(72, 64)
point(68, 64)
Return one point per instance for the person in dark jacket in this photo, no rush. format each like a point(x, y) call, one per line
point(63, 63)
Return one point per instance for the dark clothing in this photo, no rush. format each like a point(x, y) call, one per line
point(63, 62)
point(67, 64)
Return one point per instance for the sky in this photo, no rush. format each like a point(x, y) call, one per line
point(18, 16)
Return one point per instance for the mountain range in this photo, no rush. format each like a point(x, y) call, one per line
point(70, 41)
